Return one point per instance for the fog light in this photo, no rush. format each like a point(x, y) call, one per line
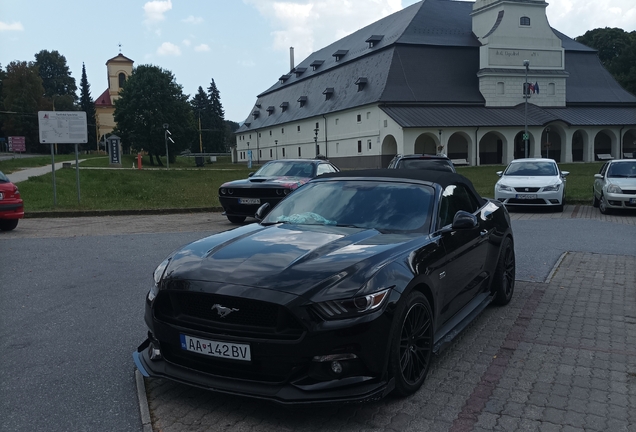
point(336, 367)
point(154, 352)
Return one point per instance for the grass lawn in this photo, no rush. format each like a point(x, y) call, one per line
point(196, 187)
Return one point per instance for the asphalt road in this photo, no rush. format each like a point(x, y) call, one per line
point(71, 310)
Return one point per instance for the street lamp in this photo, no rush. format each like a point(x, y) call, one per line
point(276, 145)
point(316, 141)
point(526, 95)
point(166, 138)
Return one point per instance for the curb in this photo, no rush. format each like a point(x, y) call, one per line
point(92, 213)
point(144, 410)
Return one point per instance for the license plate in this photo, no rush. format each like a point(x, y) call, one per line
point(526, 196)
point(219, 349)
point(631, 200)
point(249, 201)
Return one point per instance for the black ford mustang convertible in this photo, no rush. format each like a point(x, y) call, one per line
point(342, 291)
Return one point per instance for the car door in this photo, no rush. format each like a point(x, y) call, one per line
point(599, 182)
point(466, 252)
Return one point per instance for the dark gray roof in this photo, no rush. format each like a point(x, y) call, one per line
point(437, 116)
point(427, 55)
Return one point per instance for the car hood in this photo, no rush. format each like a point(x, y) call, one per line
point(282, 181)
point(530, 180)
point(295, 259)
point(621, 182)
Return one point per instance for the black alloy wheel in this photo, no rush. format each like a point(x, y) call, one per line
point(412, 344)
point(504, 277)
point(236, 219)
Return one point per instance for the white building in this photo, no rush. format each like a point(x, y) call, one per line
point(447, 77)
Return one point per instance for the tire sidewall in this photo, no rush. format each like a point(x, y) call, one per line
point(499, 282)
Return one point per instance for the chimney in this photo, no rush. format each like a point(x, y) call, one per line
point(291, 58)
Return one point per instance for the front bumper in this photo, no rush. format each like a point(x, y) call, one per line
point(232, 207)
point(514, 198)
point(620, 201)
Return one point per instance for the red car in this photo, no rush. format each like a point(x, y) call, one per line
point(11, 205)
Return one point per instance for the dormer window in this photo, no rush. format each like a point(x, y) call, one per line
point(284, 78)
point(316, 64)
point(258, 105)
point(302, 101)
point(524, 21)
point(284, 106)
point(340, 54)
point(248, 125)
point(256, 113)
point(299, 71)
point(270, 110)
point(374, 40)
point(361, 83)
point(328, 93)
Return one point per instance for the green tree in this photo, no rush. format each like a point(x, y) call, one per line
point(616, 51)
point(59, 85)
point(230, 134)
point(149, 99)
point(217, 123)
point(87, 105)
point(22, 98)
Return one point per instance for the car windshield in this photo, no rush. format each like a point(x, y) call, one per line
point(3, 178)
point(531, 169)
point(286, 168)
point(625, 169)
point(432, 164)
point(385, 206)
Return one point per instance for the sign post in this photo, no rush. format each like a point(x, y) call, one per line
point(63, 127)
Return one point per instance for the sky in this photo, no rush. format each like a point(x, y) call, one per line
point(242, 44)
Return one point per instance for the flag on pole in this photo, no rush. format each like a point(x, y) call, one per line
point(536, 87)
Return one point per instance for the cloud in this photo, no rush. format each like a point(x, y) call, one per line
point(168, 49)
point(186, 42)
point(16, 26)
point(192, 20)
point(202, 48)
point(154, 10)
point(575, 18)
point(308, 25)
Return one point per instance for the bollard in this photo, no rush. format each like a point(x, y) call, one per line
point(138, 160)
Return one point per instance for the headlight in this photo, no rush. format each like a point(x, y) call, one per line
point(339, 309)
point(503, 187)
point(552, 188)
point(223, 191)
point(612, 188)
point(157, 275)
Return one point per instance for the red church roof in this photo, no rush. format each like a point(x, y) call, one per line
point(103, 99)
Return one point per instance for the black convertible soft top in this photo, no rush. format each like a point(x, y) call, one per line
point(441, 178)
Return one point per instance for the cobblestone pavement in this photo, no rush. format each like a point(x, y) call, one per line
point(560, 357)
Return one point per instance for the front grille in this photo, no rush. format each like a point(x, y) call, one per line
point(527, 189)
point(629, 191)
point(526, 201)
point(241, 316)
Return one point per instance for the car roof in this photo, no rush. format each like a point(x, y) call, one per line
point(533, 160)
point(442, 178)
point(423, 156)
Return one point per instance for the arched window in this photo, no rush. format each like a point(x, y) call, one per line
point(122, 79)
point(524, 21)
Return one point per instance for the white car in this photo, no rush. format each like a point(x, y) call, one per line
point(615, 185)
point(532, 182)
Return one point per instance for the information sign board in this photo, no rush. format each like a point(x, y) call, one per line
point(17, 144)
point(62, 127)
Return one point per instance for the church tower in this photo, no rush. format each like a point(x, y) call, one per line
point(511, 32)
point(119, 68)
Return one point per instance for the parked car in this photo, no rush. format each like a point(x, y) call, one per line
point(615, 185)
point(11, 204)
point(270, 184)
point(342, 292)
point(532, 182)
point(423, 162)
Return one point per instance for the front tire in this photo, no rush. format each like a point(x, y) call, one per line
point(602, 206)
point(8, 224)
point(412, 344)
point(236, 219)
point(504, 277)
point(595, 201)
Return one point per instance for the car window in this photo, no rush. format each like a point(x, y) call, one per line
point(531, 169)
point(454, 199)
point(604, 168)
point(280, 168)
point(625, 169)
point(393, 162)
point(385, 206)
point(432, 164)
point(325, 168)
point(3, 178)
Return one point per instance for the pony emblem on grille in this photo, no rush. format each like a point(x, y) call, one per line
point(223, 311)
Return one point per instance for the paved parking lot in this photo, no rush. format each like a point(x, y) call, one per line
point(560, 357)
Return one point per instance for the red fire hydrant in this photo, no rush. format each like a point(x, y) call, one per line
point(138, 160)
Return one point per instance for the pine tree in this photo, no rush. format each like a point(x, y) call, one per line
point(217, 119)
point(88, 106)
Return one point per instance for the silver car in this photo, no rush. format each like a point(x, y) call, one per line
point(532, 182)
point(615, 185)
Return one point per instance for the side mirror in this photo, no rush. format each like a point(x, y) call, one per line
point(598, 176)
point(499, 173)
point(565, 173)
point(464, 220)
point(251, 174)
point(262, 211)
